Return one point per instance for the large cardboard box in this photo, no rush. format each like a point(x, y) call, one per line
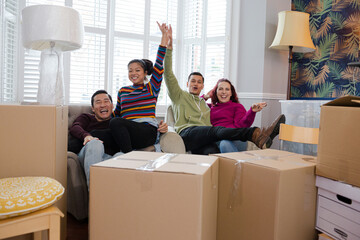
point(266, 194)
point(33, 142)
point(154, 196)
point(339, 137)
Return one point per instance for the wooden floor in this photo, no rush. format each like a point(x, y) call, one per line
point(76, 230)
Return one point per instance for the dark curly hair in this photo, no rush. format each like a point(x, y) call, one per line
point(215, 99)
point(146, 64)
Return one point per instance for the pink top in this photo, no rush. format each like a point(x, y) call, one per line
point(231, 115)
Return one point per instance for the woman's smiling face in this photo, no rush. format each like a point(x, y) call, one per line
point(223, 92)
point(136, 73)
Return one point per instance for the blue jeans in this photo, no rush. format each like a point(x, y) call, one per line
point(93, 152)
point(226, 146)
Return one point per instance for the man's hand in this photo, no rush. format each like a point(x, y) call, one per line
point(169, 35)
point(257, 107)
point(163, 127)
point(88, 139)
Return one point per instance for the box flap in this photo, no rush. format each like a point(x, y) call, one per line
point(161, 162)
point(347, 101)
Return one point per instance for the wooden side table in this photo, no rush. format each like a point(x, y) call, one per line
point(35, 222)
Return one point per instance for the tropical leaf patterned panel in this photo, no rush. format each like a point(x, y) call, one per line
point(335, 31)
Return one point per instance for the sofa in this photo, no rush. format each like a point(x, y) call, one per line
point(77, 191)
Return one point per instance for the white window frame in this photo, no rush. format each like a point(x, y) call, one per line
point(179, 43)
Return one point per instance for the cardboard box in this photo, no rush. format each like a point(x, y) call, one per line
point(175, 197)
point(338, 209)
point(339, 137)
point(323, 236)
point(33, 142)
point(266, 194)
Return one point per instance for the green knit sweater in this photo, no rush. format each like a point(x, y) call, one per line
point(189, 110)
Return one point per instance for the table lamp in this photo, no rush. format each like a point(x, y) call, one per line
point(52, 30)
point(293, 35)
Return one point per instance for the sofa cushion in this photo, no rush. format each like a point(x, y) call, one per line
point(22, 195)
point(75, 111)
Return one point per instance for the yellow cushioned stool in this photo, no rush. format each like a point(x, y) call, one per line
point(25, 206)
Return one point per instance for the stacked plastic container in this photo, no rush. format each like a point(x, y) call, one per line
point(302, 113)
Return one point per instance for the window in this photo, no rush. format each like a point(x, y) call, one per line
point(117, 31)
point(8, 49)
point(205, 39)
point(88, 64)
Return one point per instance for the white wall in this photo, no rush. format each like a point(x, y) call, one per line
point(261, 73)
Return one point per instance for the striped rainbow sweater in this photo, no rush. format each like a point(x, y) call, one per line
point(134, 102)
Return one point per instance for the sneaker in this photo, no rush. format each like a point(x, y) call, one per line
point(263, 137)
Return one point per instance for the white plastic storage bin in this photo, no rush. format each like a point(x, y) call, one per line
point(302, 113)
point(338, 209)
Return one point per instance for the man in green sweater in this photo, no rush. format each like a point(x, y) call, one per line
point(192, 115)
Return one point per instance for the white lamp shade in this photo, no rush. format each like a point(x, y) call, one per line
point(293, 30)
point(43, 24)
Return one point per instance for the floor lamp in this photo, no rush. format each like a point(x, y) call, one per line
point(52, 30)
point(293, 35)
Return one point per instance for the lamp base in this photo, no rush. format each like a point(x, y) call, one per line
point(51, 84)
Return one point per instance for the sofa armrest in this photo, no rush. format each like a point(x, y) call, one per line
point(78, 195)
point(72, 155)
point(171, 142)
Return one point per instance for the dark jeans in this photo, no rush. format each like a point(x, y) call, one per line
point(130, 135)
point(199, 136)
point(105, 135)
point(125, 135)
point(212, 148)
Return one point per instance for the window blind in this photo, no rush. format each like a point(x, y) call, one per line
point(121, 30)
point(205, 45)
point(9, 32)
point(88, 64)
point(216, 18)
point(124, 51)
point(130, 16)
point(87, 68)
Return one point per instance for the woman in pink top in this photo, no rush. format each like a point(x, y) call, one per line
point(226, 111)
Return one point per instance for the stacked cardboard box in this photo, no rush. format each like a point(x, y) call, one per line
point(33, 142)
point(338, 163)
point(323, 236)
point(148, 195)
point(268, 194)
point(339, 137)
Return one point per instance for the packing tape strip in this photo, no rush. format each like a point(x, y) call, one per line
point(152, 165)
point(235, 193)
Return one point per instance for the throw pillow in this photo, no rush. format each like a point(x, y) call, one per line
point(22, 195)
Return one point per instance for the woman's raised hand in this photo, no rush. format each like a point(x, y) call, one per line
point(164, 29)
point(208, 95)
point(257, 107)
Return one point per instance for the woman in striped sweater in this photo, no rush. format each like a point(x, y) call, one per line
point(134, 115)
